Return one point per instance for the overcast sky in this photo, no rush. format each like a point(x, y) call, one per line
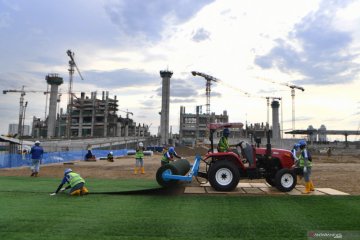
point(254, 47)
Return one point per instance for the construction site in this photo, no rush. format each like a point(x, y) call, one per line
point(92, 122)
point(257, 172)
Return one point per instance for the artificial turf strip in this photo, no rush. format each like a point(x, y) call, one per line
point(48, 185)
point(39, 216)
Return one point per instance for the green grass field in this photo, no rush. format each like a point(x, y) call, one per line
point(28, 212)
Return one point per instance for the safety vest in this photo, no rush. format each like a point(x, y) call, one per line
point(223, 145)
point(303, 155)
point(165, 157)
point(75, 179)
point(139, 153)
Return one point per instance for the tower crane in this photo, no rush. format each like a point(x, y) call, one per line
point(22, 105)
point(127, 112)
point(292, 87)
point(208, 79)
point(72, 66)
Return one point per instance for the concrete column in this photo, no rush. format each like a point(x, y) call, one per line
point(54, 81)
point(275, 120)
point(165, 106)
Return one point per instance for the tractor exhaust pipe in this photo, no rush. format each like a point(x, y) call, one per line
point(268, 145)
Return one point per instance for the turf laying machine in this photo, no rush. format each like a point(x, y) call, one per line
point(224, 170)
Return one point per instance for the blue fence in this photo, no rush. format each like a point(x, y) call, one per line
point(18, 160)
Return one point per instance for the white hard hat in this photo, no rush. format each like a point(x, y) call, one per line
point(37, 142)
point(141, 144)
point(111, 153)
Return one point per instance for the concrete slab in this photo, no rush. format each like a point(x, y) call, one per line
point(205, 185)
point(238, 191)
point(294, 192)
point(244, 185)
point(331, 191)
point(316, 192)
point(194, 190)
point(260, 189)
point(253, 191)
point(271, 191)
point(258, 185)
point(213, 191)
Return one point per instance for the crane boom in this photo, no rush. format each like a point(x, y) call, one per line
point(206, 76)
point(208, 79)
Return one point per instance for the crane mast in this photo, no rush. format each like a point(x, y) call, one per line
point(72, 67)
point(208, 79)
point(23, 106)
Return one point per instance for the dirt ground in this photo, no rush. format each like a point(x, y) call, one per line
point(338, 172)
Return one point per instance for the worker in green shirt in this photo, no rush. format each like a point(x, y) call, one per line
point(139, 159)
point(223, 145)
point(74, 181)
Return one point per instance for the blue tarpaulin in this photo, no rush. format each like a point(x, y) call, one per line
point(18, 160)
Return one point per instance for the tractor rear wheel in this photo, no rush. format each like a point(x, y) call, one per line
point(224, 175)
point(285, 180)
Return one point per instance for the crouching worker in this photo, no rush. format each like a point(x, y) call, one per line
point(110, 157)
point(75, 182)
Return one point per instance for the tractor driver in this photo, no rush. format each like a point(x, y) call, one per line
point(245, 148)
point(223, 145)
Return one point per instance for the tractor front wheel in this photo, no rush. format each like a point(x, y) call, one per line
point(285, 180)
point(224, 175)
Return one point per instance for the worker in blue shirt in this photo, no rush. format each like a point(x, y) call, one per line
point(75, 181)
point(169, 156)
point(36, 157)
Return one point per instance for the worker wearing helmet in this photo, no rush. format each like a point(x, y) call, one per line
point(75, 182)
point(223, 145)
point(139, 159)
point(36, 157)
point(305, 163)
point(169, 156)
point(110, 157)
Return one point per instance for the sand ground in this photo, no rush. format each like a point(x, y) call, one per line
point(338, 172)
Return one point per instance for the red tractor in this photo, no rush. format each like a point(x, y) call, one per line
point(225, 169)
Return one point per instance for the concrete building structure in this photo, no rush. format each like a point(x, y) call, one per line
point(322, 137)
point(13, 129)
point(193, 126)
point(54, 80)
point(92, 117)
point(165, 106)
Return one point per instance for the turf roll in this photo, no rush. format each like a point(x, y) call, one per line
point(178, 167)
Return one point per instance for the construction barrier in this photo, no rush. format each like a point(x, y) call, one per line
point(19, 160)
